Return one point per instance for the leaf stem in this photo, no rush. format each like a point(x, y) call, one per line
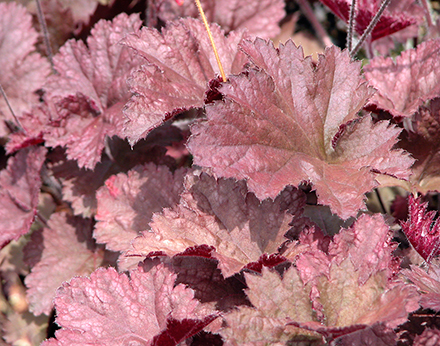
point(427, 9)
point(43, 25)
point(310, 14)
point(2, 91)
point(351, 25)
point(370, 27)
point(211, 39)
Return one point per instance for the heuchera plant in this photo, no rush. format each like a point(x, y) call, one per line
point(147, 200)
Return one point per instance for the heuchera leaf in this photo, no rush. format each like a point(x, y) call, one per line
point(421, 230)
point(427, 338)
point(221, 213)
point(68, 250)
point(423, 142)
point(180, 63)
point(428, 283)
point(20, 184)
point(259, 17)
point(355, 291)
point(288, 122)
point(112, 309)
point(275, 300)
point(407, 81)
point(90, 90)
point(23, 70)
point(365, 10)
point(127, 202)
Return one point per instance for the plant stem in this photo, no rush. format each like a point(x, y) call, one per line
point(351, 25)
point(308, 12)
point(427, 9)
point(370, 27)
point(43, 25)
point(2, 91)
point(211, 39)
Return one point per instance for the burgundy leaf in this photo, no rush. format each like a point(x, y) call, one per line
point(127, 202)
point(19, 188)
point(421, 230)
point(389, 23)
point(112, 309)
point(90, 90)
point(67, 250)
point(180, 64)
point(277, 127)
point(221, 213)
point(259, 17)
point(23, 69)
point(405, 82)
point(429, 337)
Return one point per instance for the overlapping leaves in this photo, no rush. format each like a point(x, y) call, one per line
point(287, 122)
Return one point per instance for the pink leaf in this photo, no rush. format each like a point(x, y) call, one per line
point(19, 188)
point(67, 250)
point(23, 69)
point(91, 310)
point(428, 282)
point(259, 17)
point(221, 213)
point(90, 90)
point(405, 82)
point(127, 202)
point(180, 65)
point(421, 230)
point(289, 122)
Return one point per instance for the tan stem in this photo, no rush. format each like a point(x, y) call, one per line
point(211, 39)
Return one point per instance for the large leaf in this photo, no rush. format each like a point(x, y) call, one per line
point(221, 213)
point(407, 81)
point(112, 309)
point(289, 122)
point(180, 64)
point(89, 91)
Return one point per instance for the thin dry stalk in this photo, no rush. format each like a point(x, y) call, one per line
point(2, 91)
point(370, 27)
point(43, 25)
point(351, 25)
point(211, 39)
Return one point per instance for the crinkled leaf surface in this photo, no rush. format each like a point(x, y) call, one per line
point(275, 301)
point(90, 90)
point(221, 213)
point(336, 293)
point(23, 70)
point(20, 184)
point(68, 250)
point(390, 21)
point(358, 288)
point(127, 202)
point(109, 308)
point(259, 17)
point(180, 63)
point(421, 230)
point(428, 282)
point(407, 81)
point(287, 122)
